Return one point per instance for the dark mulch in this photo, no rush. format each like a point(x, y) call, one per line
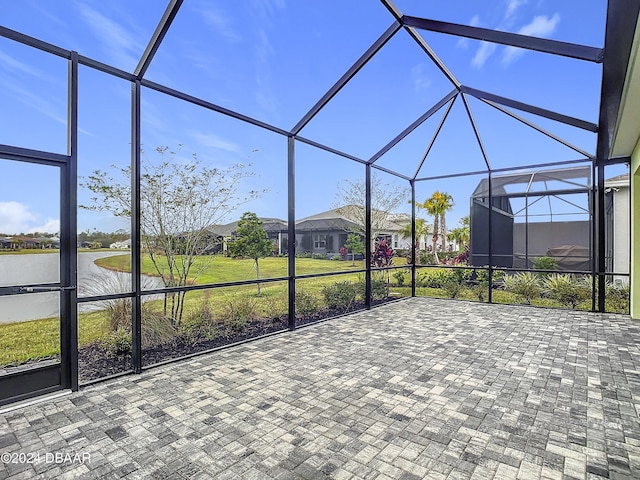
point(95, 361)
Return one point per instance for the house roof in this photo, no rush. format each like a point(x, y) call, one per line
point(335, 219)
point(617, 181)
point(268, 225)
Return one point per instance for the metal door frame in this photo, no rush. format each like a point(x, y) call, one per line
point(39, 381)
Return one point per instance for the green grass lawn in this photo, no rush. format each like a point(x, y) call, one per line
point(23, 341)
point(221, 269)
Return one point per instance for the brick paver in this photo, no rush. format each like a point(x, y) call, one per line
point(422, 388)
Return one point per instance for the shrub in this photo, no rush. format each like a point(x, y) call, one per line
point(200, 322)
point(319, 256)
point(567, 290)
point(336, 257)
point(481, 284)
point(462, 258)
point(238, 310)
point(379, 287)
point(117, 342)
point(545, 263)
point(432, 278)
point(617, 296)
point(454, 282)
point(525, 285)
point(400, 277)
point(306, 303)
point(426, 258)
point(340, 295)
point(157, 328)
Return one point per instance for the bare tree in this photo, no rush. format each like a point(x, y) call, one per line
point(385, 200)
point(179, 202)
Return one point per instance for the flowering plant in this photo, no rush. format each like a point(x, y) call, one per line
point(382, 255)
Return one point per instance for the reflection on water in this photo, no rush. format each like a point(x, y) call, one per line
point(43, 268)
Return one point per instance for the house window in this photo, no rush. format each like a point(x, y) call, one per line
point(319, 240)
point(395, 241)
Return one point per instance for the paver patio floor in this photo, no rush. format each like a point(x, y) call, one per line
point(421, 388)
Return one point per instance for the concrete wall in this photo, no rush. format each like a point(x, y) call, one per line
point(635, 233)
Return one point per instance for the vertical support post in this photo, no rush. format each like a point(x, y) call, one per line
point(601, 240)
point(526, 231)
point(291, 229)
point(68, 232)
point(413, 237)
point(593, 241)
point(490, 242)
point(136, 244)
point(367, 253)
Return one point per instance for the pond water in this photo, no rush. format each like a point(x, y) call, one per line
point(44, 268)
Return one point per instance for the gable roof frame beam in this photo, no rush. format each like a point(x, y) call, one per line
point(433, 139)
point(421, 42)
point(447, 98)
point(541, 112)
point(158, 35)
point(545, 45)
point(348, 75)
point(476, 132)
point(538, 128)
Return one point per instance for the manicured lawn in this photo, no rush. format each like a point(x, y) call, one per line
point(221, 269)
point(35, 339)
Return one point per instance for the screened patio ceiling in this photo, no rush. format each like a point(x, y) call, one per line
point(427, 113)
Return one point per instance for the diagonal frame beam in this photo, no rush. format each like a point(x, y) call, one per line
point(156, 39)
point(397, 14)
point(541, 112)
point(349, 74)
point(538, 128)
point(452, 94)
point(476, 132)
point(545, 45)
point(433, 139)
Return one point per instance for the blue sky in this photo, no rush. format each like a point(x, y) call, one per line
point(272, 60)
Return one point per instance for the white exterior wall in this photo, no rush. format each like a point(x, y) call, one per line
point(621, 231)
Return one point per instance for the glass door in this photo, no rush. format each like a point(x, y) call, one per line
point(34, 290)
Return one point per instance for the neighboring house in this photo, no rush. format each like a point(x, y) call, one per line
point(22, 241)
point(326, 232)
point(276, 230)
point(123, 245)
point(617, 225)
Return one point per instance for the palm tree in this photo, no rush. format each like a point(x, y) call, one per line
point(422, 228)
point(437, 205)
point(462, 234)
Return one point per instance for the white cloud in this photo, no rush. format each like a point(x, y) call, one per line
point(420, 78)
point(16, 217)
point(484, 52)
point(9, 63)
point(216, 19)
point(40, 104)
point(512, 7)
point(541, 26)
point(117, 41)
point(464, 42)
point(212, 140)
